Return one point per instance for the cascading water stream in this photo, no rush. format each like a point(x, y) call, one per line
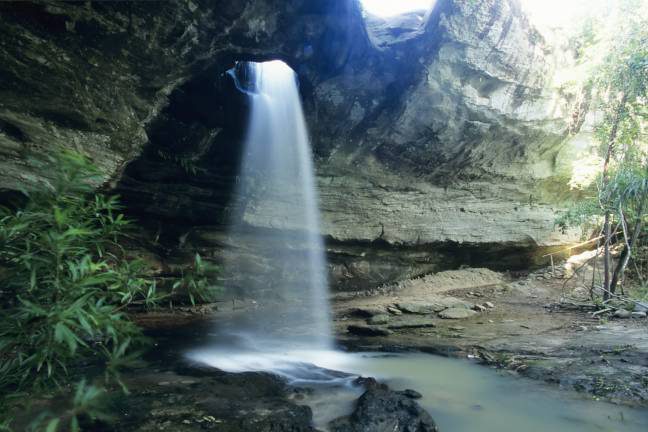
point(277, 223)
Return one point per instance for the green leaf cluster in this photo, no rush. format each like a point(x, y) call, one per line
point(195, 282)
point(65, 282)
point(620, 85)
point(87, 402)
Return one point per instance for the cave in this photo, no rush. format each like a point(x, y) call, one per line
point(184, 180)
point(323, 215)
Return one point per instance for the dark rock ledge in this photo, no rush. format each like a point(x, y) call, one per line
point(380, 409)
point(195, 398)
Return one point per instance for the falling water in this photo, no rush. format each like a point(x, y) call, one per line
point(276, 248)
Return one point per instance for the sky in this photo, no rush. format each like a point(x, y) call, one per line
point(386, 8)
point(556, 13)
point(543, 13)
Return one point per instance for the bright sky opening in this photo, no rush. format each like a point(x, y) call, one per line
point(387, 8)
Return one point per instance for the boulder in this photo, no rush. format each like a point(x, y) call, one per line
point(457, 313)
point(641, 307)
point(378, 319)
point(411, 322)
point(412, 394)
point(622, 313)
point(383, 410)
point(420, 308)
point(367, 311)
point(368, 330)
point(394, 311)
point(453, 302)
point(242, 402)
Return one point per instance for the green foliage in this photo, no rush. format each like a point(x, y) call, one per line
point(627, 189)
point(86, 403)
point(65, 282)
point(641, 293)
point(585, 39)
point(584, 213)
point(620, 194)
point(620, 83)
point(195, 281)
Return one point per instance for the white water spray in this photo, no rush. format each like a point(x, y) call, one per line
point(275, 231)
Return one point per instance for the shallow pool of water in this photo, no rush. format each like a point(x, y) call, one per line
point(460, 395)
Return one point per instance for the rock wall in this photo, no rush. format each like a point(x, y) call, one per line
point(94, 75)
point(437, 137)
point(464, 146)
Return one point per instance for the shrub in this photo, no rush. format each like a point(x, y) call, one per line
point(195, 284)
point(65, 281)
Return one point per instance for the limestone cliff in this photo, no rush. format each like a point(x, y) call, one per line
point(432, 133)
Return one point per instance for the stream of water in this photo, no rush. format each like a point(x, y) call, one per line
point(276, 191)
point(460, 395)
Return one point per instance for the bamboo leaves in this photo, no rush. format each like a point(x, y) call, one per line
point(64, 280)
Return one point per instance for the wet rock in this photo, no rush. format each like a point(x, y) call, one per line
point(479, 308)
point(457, 313)
point(489, 305)
point(369, 383)
point(638, 314)
point(246, 402)
point(420, 308)
point(379, 319)
point(383, 410)
point(622, 313)
point(368, 330)
point(412, 322)
point(412, 394)
point(641, 307)
point(452, 302)
point(394, 311)
point(437, 305)
point(367, 311)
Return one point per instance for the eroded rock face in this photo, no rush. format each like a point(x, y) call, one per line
point(436, 138)
point(93, 76)
point(446, 133)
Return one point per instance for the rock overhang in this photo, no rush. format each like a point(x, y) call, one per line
point(445, 134)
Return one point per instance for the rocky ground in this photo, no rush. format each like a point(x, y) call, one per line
point(537, 326)
point(197, 399)
point(169, 394)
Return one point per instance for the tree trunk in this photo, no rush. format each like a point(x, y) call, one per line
point(627, 251)
point(606, 257)
point(607, 287)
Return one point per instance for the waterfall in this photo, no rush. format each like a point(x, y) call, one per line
point(276, 246)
